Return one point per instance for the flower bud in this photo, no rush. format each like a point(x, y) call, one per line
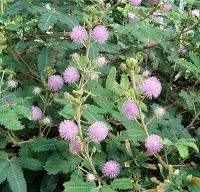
point(67, 96)
point(12, 84)
point(159, 112)
point(101, 61)
point(75, 57)
point(90, 177)
point(46, 121)
point(101, 3)
point(37, 91)
point(108, 5)
point(93, 75)
point(122, 67)
point(146, 73)
point(177, 172)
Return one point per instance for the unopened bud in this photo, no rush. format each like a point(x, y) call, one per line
point(75, 57)
point(159, 112)
point(46, 121)
point(101, 61)
point(93, 75)
point(37, 90)
point(122, 67)
point(67, 96)
point(146, 73)
point(12, 84)
point(90, 177)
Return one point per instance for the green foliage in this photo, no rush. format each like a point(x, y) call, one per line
point(193, 66)
point(74, 186)
point(49, 183)
point(122, 184)
point(9, 119)
point(11, 170)
point(45, 60)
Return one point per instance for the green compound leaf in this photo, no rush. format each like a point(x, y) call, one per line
point(45, 60)
point(122, 184)
point(78, 186)
point(29, 163)
point(47, 21)
point(3, 166)
point(15, 177)
point(9, 119)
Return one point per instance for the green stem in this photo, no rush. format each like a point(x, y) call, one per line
point(2, 77)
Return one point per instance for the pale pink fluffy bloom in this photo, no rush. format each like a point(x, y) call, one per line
point(151, 87)
point(71, 75)
point(195, 13)
point(68, 130)
point(90, 177)
point(55, 83)
point(75, 147)
point(154, 143)
point(166, 6)
point(135, 2)
point(111, 169)
point(153, 2)
point(36, 113)
point(130, 109)
point(98, 131)
point(79, 34)
point(100, 34)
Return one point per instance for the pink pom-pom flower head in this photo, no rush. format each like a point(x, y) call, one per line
point(71, 75)
point(154, 143)
point(130, 109)
point(166, 6)
point(153, 2)
point(111, 169)
point(135, 2)
point(79, 34)
point(195, 12)
point(55, 83)
point(68, 130)
point(36, 113)
point(74, 147)
point(100, 34)
point(151, 87)
point(98, 131)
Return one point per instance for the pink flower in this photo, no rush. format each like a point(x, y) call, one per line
point(111, 169)
point(153, 2)
point(75, 147)
point(68, 130)
point(135, 2)
point(100, 34)
point(130, 109)
point(36, 113)
point(71, 75)
point(55, 83)
point(154, 143)
point(98, 131)
point(79, 34)
point(195, 12)
point(131, 15)
point(151, 87)
point(166, 6)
